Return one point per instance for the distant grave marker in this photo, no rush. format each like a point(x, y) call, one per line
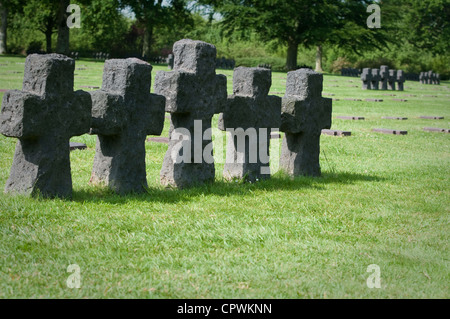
point(435, 129)
point(354, 118)
point(163, 140)
point(394, 118)
point(336, 133)
point(373, 100)
point(388, 131)
point(431, 117)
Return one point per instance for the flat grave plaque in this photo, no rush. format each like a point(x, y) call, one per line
point(388, 131)
point(336, 133)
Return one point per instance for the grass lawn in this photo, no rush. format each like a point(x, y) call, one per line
point(382, 200)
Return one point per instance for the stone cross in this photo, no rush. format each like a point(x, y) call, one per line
point(392, 79)
point(123, 114)
point(44, 116)
point(194, 93)
point(303, 116)
point(433, 78)
point(249, 116)
point(430, 77)
point(384, 74)
point(400, 80)
point(375, 83)
point(366, 77)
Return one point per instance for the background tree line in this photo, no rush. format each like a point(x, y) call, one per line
point(325, 34)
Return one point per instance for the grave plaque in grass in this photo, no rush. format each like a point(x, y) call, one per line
point(435, 129)
point(394, 118)
point(352, 99)
point(354, 118)
point(44, 116)
point(123, 114)
point(304, 114)
point(194, 93)
point(336, 133)
point(373, 100)
point(249, 117)
point(389, 131)
point(163, 140)
point(431, 117)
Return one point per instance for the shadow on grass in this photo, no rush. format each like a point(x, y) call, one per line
point(277, 183)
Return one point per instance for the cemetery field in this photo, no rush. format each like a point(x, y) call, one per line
point(382, 200)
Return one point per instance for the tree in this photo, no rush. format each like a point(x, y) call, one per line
point(63, 44)
point(4, 26)
point(153, 13)
point(425, 24)
point(298, 22)
point(7, 7)
point(288, 22)
point(44, 15)
point(104, 26)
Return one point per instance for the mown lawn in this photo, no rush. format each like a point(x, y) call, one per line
point(382, 200)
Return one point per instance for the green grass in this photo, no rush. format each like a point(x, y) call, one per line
point(382, 200)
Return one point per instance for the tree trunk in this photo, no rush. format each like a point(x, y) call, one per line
point(319, 59)
point(63, 43)
point(147, 45)
point(3, 28)
point(291, 62)
point(48, 39)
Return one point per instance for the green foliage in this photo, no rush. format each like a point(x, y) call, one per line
point(104, 28)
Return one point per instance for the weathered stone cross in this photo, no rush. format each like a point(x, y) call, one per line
point(44, 116)
point(375, 82)
point(123, 114)
point(249, 117)
point(392, 79)
point(400, 80)
point(304, 114)
point(366, 77)
point(194, 93)
point(384, 74)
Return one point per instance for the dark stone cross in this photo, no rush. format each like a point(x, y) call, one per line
point(44, 116)
point(429, 77)
point(392, 79)
point(422, 77)
point(366, 77)
point(303, 116)
point(384, 74)
point(249, 116)
point(194, 93)
point(400, 80)
point(123, 114)
point(375, 82)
